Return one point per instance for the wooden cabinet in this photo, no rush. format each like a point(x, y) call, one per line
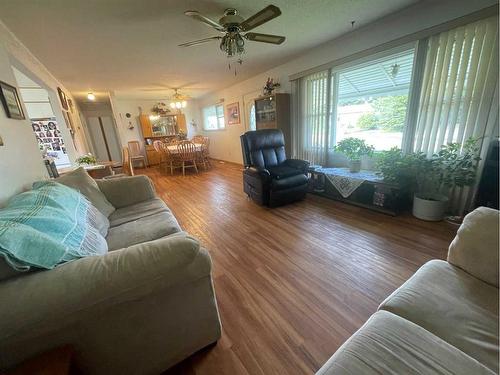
point(273, 112)
point(152, 155)
point(163, 127)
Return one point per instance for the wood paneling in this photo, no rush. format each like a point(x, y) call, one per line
point(292, 283)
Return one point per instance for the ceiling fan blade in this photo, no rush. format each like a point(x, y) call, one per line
point(200, 41)
point(266, 14)
point(265, 38)
point(200, 17)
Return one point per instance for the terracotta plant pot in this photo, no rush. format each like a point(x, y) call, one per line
point(354, 166)
point(430, 208)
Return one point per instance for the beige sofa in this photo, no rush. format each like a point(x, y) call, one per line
point(144, 306)
point(443, 320)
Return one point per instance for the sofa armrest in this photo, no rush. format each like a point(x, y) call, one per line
point(475, 247)
point(125, 191)
point(86, 286)
point(297, 164)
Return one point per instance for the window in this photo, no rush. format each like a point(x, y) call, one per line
point(213, 117)
point(251, 119)
point(372, 101)
point(367, 101)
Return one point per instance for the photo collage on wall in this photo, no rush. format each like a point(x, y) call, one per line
point(48, 135)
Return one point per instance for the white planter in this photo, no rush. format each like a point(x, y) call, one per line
point(430, 209)
point(354, 166)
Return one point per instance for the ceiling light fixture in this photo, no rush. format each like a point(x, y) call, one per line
point(90, 96)
point(178, 101)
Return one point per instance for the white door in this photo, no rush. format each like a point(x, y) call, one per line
point(104, 138)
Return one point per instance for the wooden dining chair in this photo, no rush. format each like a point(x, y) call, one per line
point(127, 166)
point(158, 146)
point(134, 148)
point(198, 139)
point(172, 160)
point(186, 151)
point(205, 151)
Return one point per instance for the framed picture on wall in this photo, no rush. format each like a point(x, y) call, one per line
point(62, 98)
point(233, 113)
point(11, 102)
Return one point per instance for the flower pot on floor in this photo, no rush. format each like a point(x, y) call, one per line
point(355, 166)
point(430, 207)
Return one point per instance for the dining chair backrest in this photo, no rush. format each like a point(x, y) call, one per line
point(206, 145)
point(134, 148)
point(158, 146)
point(198, 139)
point(186, 150)
point(126, 164)
point(173, 141)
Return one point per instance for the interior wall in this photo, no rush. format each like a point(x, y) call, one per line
point(20, 159)
point(225, 144)
point(136, 107)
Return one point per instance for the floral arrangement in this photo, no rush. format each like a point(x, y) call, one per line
point(88, 159)
point(270, 86)
point(160, 108)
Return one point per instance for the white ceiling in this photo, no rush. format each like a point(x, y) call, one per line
point(130, 46)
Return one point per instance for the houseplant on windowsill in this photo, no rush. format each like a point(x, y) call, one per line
point(431, 180)
point(354, 149)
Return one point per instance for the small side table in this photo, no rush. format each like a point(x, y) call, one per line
point(316, 179)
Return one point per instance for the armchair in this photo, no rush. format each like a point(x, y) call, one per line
point(269, 178)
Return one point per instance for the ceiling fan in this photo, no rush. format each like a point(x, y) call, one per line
point(233, 26)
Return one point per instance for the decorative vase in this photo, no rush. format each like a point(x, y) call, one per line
point(430, 208)
point(354, 166)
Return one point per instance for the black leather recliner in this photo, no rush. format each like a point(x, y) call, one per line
point(270, 178)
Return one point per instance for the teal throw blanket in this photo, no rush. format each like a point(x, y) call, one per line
point(48, 225)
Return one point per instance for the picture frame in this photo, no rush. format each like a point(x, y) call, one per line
point(62, 98)
point(11, 102)
point(233, 113)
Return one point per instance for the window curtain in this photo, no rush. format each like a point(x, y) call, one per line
point(458, 90)
point(311, 108)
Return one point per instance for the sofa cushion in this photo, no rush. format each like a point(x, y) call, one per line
point(289, 182)
point(146, 228)
point(137, 211)
point(80, 180)
point(283, 171)
point(453, 305)
point(475, 247)
point(388, 344)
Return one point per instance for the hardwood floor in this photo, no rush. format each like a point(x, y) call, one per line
point(292, 283)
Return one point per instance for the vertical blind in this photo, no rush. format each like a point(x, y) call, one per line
point(312, 130)
point(457, 99)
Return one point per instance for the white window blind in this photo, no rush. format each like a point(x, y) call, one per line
point(457, 100)
point(315, 117)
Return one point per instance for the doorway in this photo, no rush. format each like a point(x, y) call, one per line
point(104, 139)
point(46, 128)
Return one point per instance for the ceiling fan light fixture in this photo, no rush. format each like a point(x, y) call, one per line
point(91, 96)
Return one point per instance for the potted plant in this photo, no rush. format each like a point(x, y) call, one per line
point(354, 149)
point(430, 180)
point(87, 159)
